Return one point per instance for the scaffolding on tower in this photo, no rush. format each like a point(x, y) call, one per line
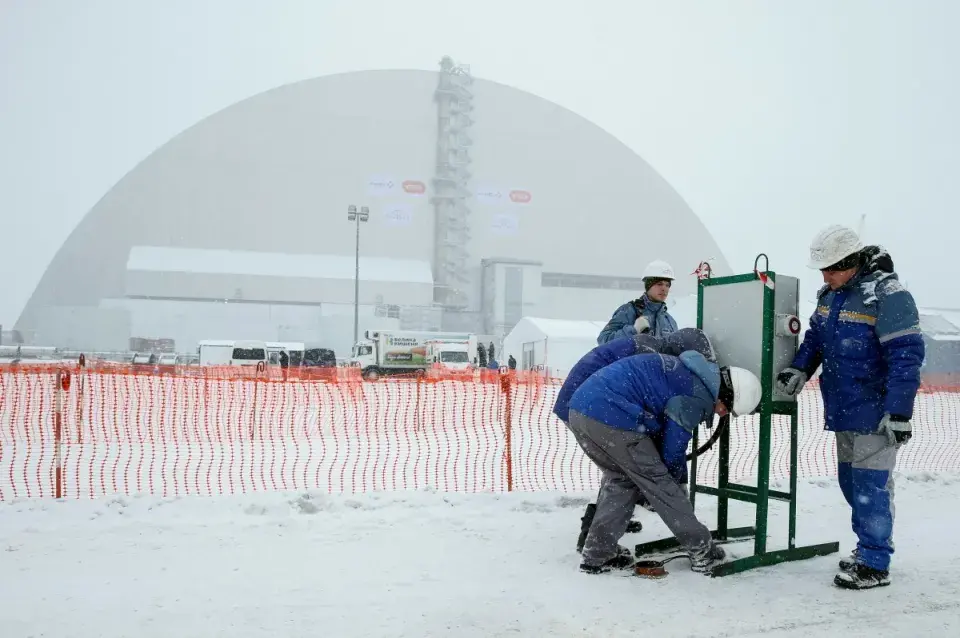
point(450, 185)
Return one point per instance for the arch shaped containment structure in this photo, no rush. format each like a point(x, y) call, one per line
point(486, 204)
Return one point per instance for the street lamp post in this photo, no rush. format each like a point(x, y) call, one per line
point(357, 217)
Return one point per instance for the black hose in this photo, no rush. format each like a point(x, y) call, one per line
point(724, 422)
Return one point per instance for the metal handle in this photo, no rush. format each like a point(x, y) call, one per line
point(757, 261)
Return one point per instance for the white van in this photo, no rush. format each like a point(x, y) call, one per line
point(248, 353)
point(294, 350)
point(217, 352)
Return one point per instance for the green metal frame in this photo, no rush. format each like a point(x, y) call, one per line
point(761, 494)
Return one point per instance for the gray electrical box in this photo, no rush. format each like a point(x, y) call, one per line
point(753, 324)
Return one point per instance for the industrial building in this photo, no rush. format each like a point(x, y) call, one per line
point(484, 204)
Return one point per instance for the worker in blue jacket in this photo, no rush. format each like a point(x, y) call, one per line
point(675, 343)
point(865, 337)
point(647, 314)
point(634, 418)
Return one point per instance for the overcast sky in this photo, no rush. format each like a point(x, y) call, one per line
point(771, 119)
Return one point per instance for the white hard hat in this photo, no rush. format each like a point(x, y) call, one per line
point(658, 269)
point(832, 244)
point(746, 390)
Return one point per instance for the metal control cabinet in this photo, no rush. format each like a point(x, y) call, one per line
point(752, 322)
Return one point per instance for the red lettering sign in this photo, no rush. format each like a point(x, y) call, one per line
point(414, 187)
point(520, 197)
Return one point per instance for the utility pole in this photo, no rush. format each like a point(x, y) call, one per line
point(357, 217)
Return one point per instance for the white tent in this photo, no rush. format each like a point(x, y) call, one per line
point(553, 345)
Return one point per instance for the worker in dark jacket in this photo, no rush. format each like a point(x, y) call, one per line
point(648, 314)
point(865, 337)
point(675, 343)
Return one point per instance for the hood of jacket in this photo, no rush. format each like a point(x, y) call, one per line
point(685, 339)
point(708, 372)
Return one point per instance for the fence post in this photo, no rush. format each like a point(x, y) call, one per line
point(417, 417)
point(81, 383)
point(505, 387)
point(63, 383)
point(256, 390)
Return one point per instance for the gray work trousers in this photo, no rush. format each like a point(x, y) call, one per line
point(865, 464)
point(631, 466)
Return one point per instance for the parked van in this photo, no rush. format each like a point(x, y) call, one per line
point(248, 353)
point(294, 350)
point(219, 352)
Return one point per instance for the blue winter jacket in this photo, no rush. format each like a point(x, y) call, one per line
point(621, 323)
point(867, 336)
point(674, 343)
point(663, 396)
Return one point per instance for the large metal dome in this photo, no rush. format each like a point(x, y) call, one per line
point(276, 172)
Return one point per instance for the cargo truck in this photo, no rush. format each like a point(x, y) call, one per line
point(386, 352)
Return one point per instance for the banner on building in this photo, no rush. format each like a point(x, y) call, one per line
point(398, 214)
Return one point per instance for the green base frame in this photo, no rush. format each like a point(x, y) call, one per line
point(749, 562)
point(761, 494)
point(773, 558)
point(667, 544)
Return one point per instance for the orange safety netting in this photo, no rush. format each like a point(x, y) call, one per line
point(114, 429)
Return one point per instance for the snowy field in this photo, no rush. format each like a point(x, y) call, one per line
point(426, 563)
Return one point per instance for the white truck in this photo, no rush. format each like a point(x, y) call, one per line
point(449, 354)
point(385, 352)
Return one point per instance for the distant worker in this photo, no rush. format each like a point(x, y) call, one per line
point(865, 338)
point(512, 363)
point(481, 356)
point(648, 314)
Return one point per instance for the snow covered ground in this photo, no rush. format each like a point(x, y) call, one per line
point(434, 564)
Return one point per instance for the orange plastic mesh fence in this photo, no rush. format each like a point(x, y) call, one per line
point(207, 431)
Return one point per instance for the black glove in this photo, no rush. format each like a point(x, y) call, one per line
point(896, 428)
point(790, 381)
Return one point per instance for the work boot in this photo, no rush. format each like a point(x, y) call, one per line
point(862, 577)
point(617, 562)
point(704, 559)
point(633, 527)
point(849, 562)
point(585, 523)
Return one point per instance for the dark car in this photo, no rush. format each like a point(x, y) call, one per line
point(319, 358)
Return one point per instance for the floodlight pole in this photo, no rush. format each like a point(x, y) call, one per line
point(357, 217)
